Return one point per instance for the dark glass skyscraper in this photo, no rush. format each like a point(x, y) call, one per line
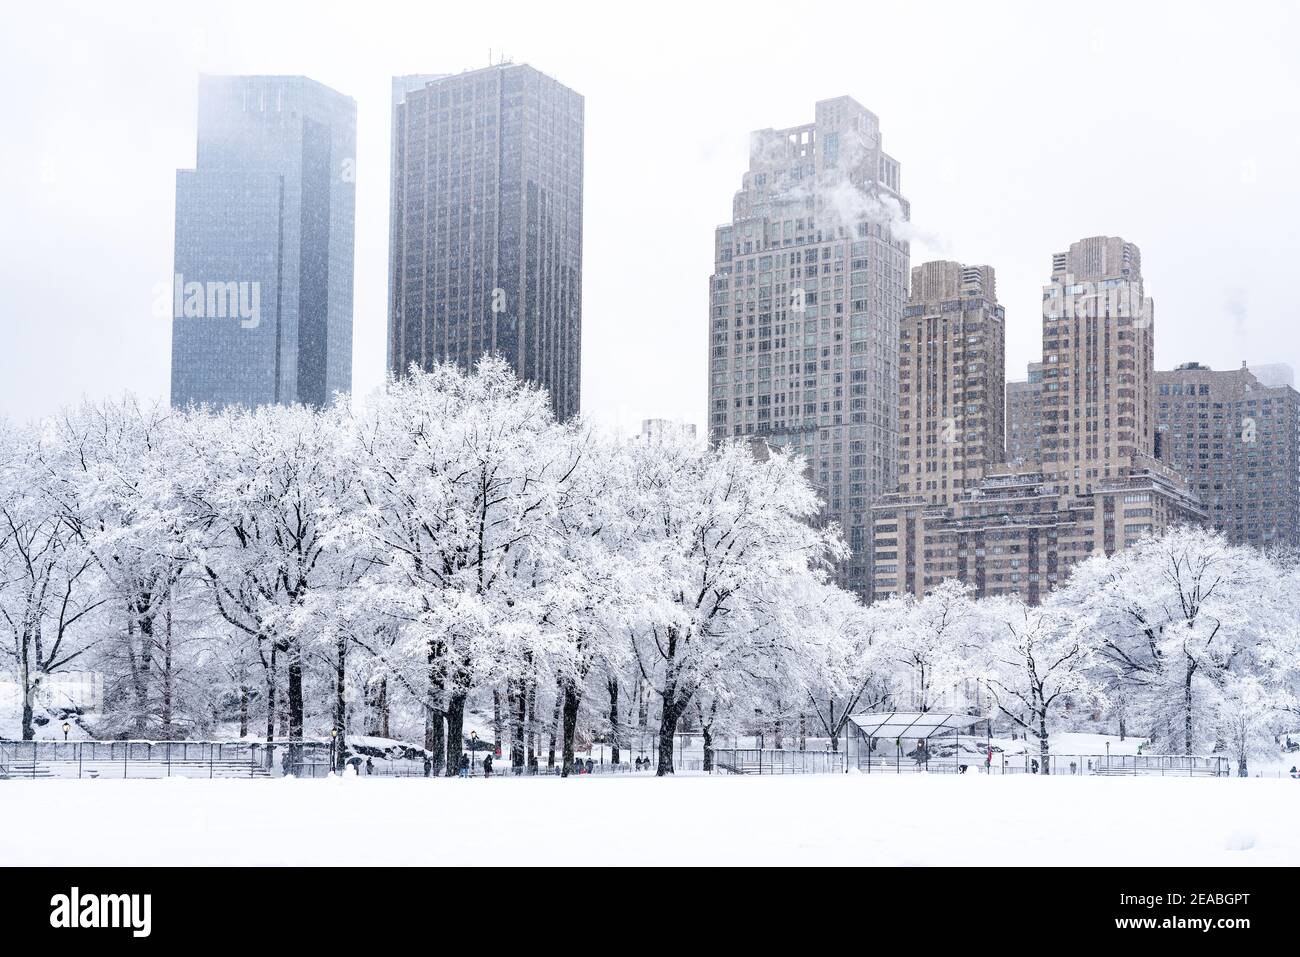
point(262, 295)
point(486, 244)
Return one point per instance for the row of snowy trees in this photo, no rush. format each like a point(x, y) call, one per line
point(452, 548)
point(1185, 640)
point(449, 542)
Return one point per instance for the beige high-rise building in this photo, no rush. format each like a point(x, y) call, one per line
point(951, 372)
point(1024, 525)
point(808, 287)
point(1236, 439)
point(1025, 417)
point(1098, 355)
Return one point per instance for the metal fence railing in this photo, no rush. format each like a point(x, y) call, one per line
point(313, 759)
point(773, 761)
point(161, 759)
point(1160, 765)
point(404, 768)
point(1180, 765)
point(230, 759)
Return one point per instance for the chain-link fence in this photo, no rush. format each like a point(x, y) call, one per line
point(774, 761)
point(163, 759)
point(1131, 765)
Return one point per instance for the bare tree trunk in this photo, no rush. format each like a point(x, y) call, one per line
point(139, 619)
point(496, 721)
point(615, 732)
point(455, 729)
point(295, 703)
point(29, 692)
point(518, 706)
point(667, 731)
point(555, 729)
point(340, 700)
point(706, 728)
point(571, 702)
point(270, 697)
point(1043, 749)
point(435, 741)
point(168, 678)
point(385, 712)
point(530, 729)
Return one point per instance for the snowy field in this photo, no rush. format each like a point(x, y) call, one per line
point(833, 819)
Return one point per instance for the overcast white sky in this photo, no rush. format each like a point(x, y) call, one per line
point(1020, 128)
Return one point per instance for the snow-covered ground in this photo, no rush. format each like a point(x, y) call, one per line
point(634, 819)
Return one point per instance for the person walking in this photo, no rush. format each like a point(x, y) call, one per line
point(463, 764)
point(370, 766)
point(921, 754)
point(487, 766)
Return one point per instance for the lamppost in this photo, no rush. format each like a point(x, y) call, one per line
point(473, 751)
point(66, 728)
point(334, 750)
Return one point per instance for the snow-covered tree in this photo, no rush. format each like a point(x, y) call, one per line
point(1175, 616)
point(459, 478)
point(48, 593)
point(264, 492)
point(730, 558)
point(109, 467)
point(1248, 713)
point(931, 642)
point(847, 668)
point(1034, 664)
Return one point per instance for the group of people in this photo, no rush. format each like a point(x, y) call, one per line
point(462, 767)
point(580, 766)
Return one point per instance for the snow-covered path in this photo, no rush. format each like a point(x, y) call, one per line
point(853, 819)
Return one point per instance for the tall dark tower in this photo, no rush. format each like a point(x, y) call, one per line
point(262, 292)
point(485, 254)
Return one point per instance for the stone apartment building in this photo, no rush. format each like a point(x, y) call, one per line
point(807, 291)
point(1025, 417)
point(951, 371)
point(1097, 487)
point(1237, 442)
